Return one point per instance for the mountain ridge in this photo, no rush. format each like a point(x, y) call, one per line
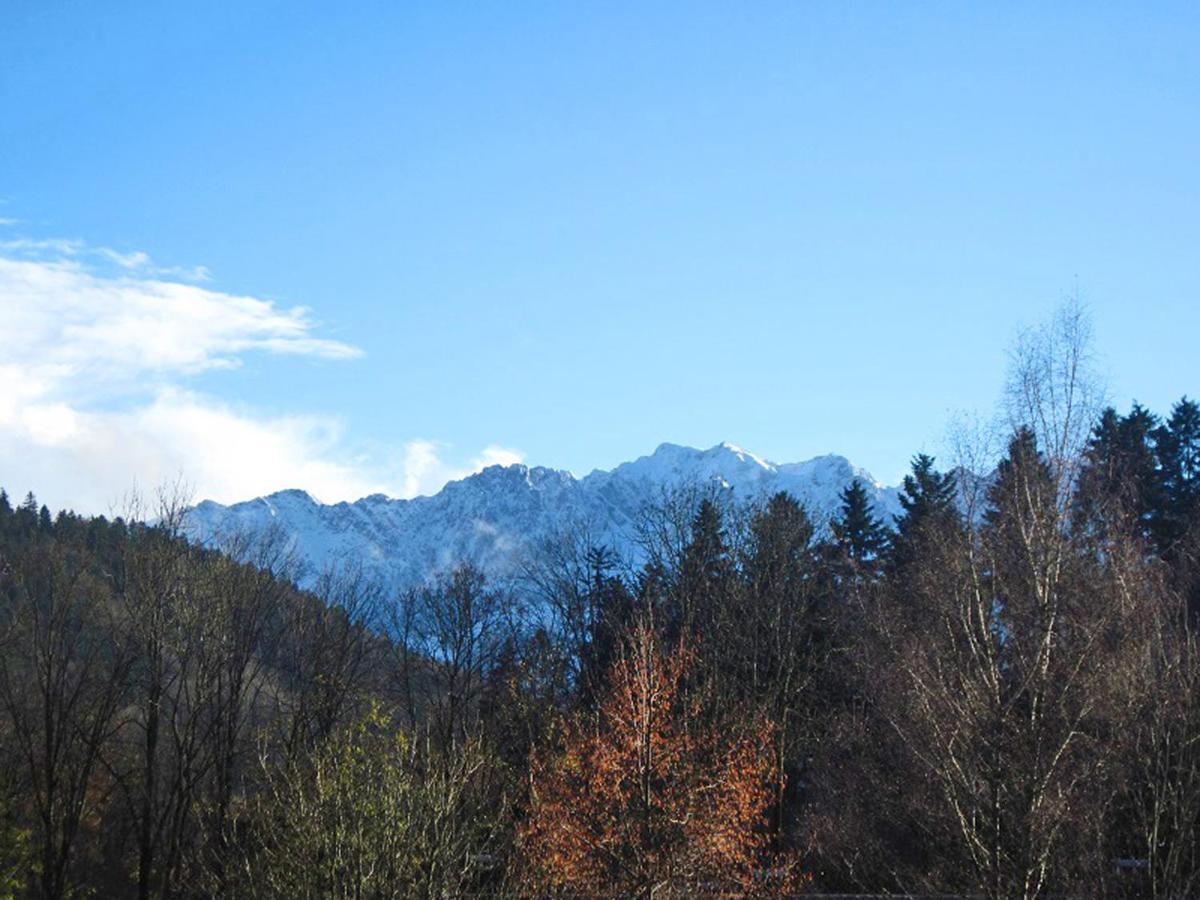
point(495, 517)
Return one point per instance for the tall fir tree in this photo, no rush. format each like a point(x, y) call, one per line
point(928, 501)
point(705, 571)
point(779, 553)
point(1022, 519)
point(1119, 481)
point(860, 536)
point(1178, 445)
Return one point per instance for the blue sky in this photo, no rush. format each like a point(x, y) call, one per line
point(568, 232)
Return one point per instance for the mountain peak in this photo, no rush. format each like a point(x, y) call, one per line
point(497, 516)
point(741, 454)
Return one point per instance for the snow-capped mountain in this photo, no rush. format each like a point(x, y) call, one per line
point(496, 517)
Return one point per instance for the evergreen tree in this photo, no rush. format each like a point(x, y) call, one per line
point(779, 555)
point(859, 535)
point(612, 608)
point(1022, 525)
point(704, 575)
point(1178, 445)
point(26, 516)
point(928, 503)
point(1119, 480)
point(1024, 486)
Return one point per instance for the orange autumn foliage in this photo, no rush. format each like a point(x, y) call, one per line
point(643, 799)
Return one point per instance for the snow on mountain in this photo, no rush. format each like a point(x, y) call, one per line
point(496, 516)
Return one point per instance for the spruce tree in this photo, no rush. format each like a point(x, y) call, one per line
point(779, 554)
point(857, 532)
point(1178, 445)
point(928, 503)
point(26, 516)
point(704, 575)
point(1119, 480)
point(1022, 522)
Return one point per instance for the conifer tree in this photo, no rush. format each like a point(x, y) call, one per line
point(1022, 499)
point(1119, 480)
point(704, 576)
point(857, 532)
point(25, 517)
point(1178, 445)
point(928, 504)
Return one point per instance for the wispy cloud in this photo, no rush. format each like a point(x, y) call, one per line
point(60, 249)
point(95, 364)
point(426, 469)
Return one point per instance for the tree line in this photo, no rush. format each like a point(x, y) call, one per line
point(995, 694)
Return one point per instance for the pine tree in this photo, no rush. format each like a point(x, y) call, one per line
point(860, 536)
point(779, 552)
point(928, 501)
point(1119, 481)
point(612, 607)
point(1178, 445)
point(1024, 485)
point(704, 573)
point(26, 516)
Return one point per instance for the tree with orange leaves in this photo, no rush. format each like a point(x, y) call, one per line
point(643, 799)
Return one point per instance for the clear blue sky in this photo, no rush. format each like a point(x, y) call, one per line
point(580, 230)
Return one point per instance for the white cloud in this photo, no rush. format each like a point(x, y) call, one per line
point(94, 397)
point(51, 249)
point(85, 325)
point(425, 470)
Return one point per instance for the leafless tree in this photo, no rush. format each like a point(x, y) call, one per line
point(242, 630)
point(325, 663)
point(167, 735)
point(63, 680)
point(1052, 388)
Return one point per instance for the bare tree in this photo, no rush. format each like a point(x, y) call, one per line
point(461, 626)
point(1160, 787)
point(1053, 389)
point(170, 718)
point(63, 679)
point(325, 662)
point(243, 630)
point(998, 681)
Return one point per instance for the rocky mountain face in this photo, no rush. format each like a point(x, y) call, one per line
point(498, 516)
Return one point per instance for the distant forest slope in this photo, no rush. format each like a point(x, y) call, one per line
point(1000, 695)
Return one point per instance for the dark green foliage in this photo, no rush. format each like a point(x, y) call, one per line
point(704, 575)
point(1178, 446)
point(928, 501)
point(1119, 484)
point(1024, 489)
point(857, 533)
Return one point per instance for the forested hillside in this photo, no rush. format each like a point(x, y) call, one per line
point(998, 693)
